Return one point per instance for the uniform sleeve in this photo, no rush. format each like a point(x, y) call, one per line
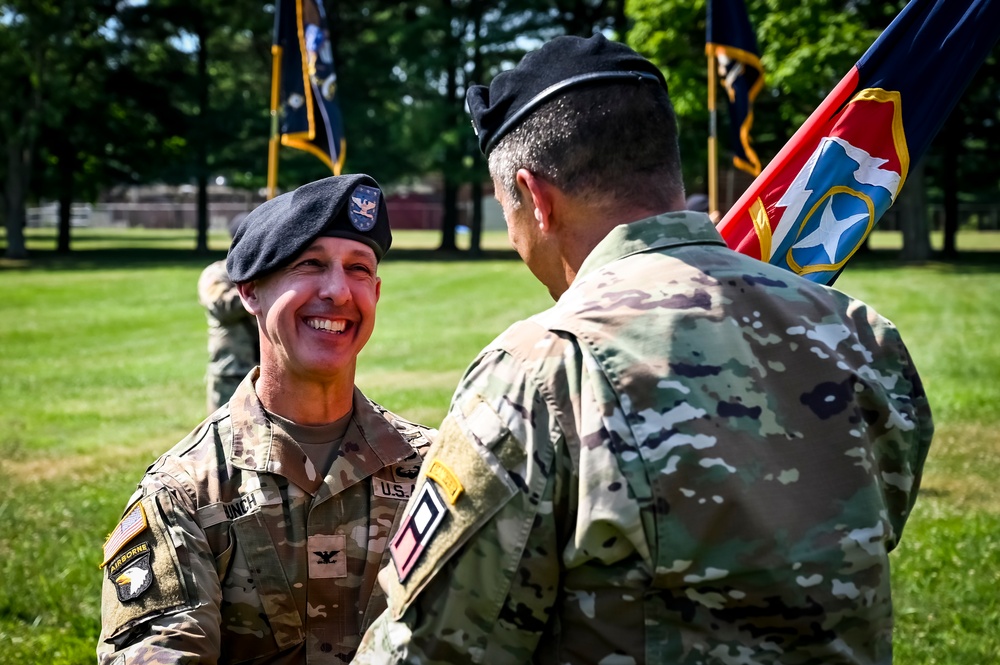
point(161, 592)
point(476, 561)
point(219, 295)
point(898, 417)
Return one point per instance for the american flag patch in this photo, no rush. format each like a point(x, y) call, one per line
point(426, 511)
point(130, 526)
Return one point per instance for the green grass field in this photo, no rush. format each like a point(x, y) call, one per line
point(101, 361)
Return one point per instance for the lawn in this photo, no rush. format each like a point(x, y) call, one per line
point(101, 363)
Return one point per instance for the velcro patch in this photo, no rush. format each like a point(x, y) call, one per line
point(391, 490)
point(327, 556)
point(132, 575)
point(244, 504)
point(447, 479)
point(406, 472)
point(423, 517)
point(131, 525)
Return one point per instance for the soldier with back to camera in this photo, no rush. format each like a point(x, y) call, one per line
point(692, 457)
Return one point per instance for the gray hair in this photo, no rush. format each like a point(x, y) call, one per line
point(605, 143)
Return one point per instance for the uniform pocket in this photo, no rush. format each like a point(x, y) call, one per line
point(267, 574)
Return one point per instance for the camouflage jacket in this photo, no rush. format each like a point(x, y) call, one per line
point(692, 457)
point(234, 550)
point(233, 343)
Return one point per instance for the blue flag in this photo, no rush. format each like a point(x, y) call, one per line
point(820, 197)
point(731, 39)
point(310, 115)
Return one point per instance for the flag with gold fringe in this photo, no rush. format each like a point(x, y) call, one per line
point(310, 118)
point(731, 40)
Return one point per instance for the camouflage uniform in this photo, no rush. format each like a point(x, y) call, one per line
point(233, 343)
point(247, 553)
point(693, 457)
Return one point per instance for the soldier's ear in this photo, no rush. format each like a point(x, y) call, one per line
point(248, 295)
point(539, 197)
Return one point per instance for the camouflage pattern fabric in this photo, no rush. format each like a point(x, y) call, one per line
point(233, 342)
point(248, 555)
point(693, 457)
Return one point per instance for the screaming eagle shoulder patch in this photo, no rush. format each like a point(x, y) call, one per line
point(131, 573)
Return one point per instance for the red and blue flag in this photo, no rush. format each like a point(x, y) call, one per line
point(310, 114)
point(731, 39)
point(815, 203)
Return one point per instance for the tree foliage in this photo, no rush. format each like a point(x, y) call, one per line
point(806, 48)
point(105, 92)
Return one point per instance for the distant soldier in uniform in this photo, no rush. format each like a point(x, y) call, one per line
point(692, 457)
point(233, 345)
point(258, 538)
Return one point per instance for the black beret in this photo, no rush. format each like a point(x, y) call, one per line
point(560, 64)
point(347, 206)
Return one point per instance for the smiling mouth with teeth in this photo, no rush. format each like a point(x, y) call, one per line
point(335, 326)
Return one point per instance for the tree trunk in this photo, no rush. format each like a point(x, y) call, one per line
point(15, 192)
point(952, 145)
point(65, 219)
point(476, 223)
point(913, 217)
point(67, 171)
point(452, 155)
point(476, 193)
point(449, 216)
point(201, 152)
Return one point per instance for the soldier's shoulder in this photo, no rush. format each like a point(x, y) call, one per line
point(205, 434)
point(541, 334)
point(419, 436)
point(197, 455)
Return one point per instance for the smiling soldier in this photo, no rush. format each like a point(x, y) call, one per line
point(258, 538)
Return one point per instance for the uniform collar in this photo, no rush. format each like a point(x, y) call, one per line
point(369, 444)
point(670, 229)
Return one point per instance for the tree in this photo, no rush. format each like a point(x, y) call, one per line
point(176, 91)
point(73, 132)
point(190, 36)
point(45, 47)
point(962, 160)
point(806, 49)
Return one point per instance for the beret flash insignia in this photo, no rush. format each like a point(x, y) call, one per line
point(363, 207)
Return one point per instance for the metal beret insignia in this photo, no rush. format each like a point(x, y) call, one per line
point(363, 207)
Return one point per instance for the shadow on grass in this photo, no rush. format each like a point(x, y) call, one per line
point(968, 262)
point(126, 258)
point(161, 251)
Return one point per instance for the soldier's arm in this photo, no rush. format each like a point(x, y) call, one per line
point(161, 593)
point(219, 295)
point(479, 585)
point(898, 416)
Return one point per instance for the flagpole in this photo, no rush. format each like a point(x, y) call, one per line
point(274, 140)
point(713, 169)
